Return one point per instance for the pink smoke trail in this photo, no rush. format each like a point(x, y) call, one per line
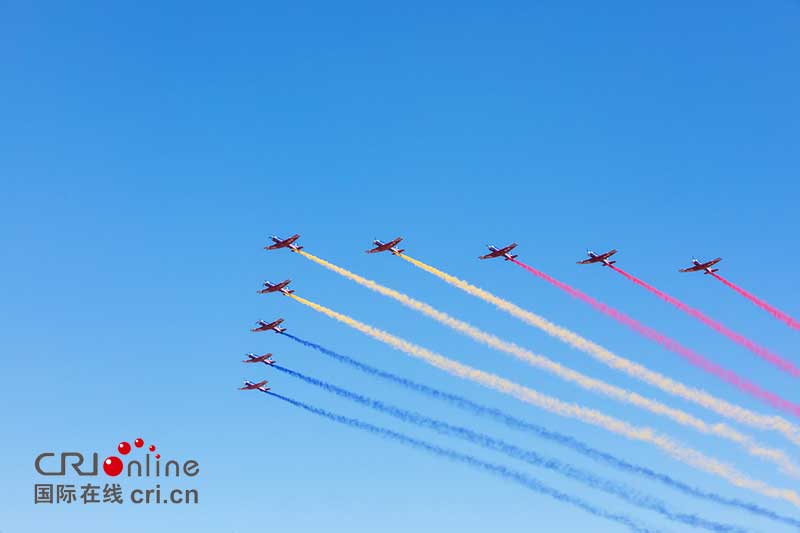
point(690, 355)
point(777, 313)
point(760, 351)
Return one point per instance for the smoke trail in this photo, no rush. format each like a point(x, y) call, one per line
point(499, 470)
point(720, 430)
point(552, 436)
point(760, 351)
point(587, 478)
point(570, 410)
point(777, 313)
point(617, 362)
point(693, 357)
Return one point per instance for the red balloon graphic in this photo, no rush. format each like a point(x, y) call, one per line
point(112, 465)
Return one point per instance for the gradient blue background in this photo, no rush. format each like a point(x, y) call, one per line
point(148, 150)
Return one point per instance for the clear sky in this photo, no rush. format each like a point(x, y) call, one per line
point(147, 151)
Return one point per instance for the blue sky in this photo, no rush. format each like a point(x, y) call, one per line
point(148, 151)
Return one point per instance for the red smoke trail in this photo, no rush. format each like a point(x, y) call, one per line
point(777, 313)
point(690, 355)
point(760, 351)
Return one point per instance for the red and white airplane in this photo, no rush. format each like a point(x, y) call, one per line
point(276, 287)
point(284, 243)
point(261, 385)
point(598, 258)
point(698, 266)
point(498, 252)
point(266, 326)
point(381, 246)
point(266, 359)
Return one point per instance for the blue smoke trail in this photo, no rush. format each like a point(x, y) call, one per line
point(530, 457)
point(453, 455)
point(553, 436)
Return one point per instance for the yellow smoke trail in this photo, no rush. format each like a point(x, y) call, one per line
point(590, 416)
point(721, 430)
point(700, 397)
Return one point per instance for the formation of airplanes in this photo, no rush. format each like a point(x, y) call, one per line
point(391, 246)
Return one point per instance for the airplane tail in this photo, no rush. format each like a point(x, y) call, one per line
point(510, 257)
point(280, 330)
point(398, 252)
point(611, 262)
point(712, 271)
point(290, 291)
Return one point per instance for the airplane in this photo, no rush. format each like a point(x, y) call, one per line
point(381, 246)
point(498, 252)
point(253, 358)
point(284, 243)
point(261, 385)
point(597, 258)
point(264, 326)
point(276, 287)
point(698, 266)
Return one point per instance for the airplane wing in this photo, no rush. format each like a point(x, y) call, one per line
point(692, 268)
point(713, 262)
point(608, 254)
point(589, 261)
